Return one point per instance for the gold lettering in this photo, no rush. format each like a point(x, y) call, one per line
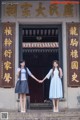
point(74, 54)
point(74, 78)
point(11, 10)
point(25, 9)
point(7, 77)
point(74, 42)
point(73, 31)
point(7, 42)
point(8, 31)
point(74, 65)
point(7, 65)
point(53, 9)
point(7, 53)
point(68, 10)
point(40, 10)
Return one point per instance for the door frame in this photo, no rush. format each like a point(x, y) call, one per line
point(59, 26)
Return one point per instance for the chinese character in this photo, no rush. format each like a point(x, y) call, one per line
point(7, 42)
point(73, 31)
point(74, 65)
point(8, 53)
point(26, 11)
point(74, 42)
point(74, 77)
point(53, 9)
point(40, 10)
point(7, 77)
point(68, 10)
point(74, 54)
point(11, 10)
point(8, 31)
point(7, 65)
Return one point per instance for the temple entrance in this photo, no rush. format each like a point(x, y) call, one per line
point(39, 46)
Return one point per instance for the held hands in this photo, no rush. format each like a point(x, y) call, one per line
point(40, 81)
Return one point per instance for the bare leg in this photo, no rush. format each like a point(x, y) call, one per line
point(57, 105)
point(21, 102)
point(54, 104)
point(24, 102)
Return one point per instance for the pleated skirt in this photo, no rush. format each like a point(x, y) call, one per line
point(22, 87)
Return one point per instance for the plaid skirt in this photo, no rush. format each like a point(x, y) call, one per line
point(22, 87)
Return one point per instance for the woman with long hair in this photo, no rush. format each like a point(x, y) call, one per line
point(22, 84)
point(55, 92)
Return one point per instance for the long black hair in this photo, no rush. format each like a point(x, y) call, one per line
point(57, 67)
point(21, 61)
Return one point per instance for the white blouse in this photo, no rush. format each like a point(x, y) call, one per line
point(49, 74)
point(23, 73)
point(56, 73)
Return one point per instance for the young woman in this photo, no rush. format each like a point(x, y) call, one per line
point(22, 84)
point(55, 92)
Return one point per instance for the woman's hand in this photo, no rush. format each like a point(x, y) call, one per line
point(40, 81)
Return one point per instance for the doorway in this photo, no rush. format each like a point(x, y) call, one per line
point(37, 49)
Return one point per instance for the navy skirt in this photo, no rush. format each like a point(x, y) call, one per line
point(22, 87)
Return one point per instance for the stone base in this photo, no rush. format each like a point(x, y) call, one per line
point(44, 115)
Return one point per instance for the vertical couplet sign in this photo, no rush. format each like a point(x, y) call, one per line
point(73, 56)
point(8, 56)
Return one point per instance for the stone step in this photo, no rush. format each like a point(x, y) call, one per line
point(35, 106)
point(40, 106)
point(44, 115)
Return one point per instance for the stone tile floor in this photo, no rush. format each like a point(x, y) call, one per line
point(71, 114)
